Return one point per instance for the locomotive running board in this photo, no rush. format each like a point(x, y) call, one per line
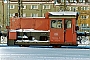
point(28, 42)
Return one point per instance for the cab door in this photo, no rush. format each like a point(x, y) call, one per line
point(57, 31)
point(68, 31)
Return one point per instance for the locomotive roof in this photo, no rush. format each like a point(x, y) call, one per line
point(63, 13)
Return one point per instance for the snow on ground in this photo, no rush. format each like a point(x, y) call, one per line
point(30, 53)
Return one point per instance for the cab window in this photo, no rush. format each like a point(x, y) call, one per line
point(68, 23)
point(56, 23)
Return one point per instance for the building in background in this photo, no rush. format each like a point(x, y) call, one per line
point(1, 15)
point(81, 6)
point(32, 8)
point(37, 8)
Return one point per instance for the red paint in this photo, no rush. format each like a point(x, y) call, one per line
point(12, 35)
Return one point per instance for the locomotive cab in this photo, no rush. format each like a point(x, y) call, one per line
point(63, 28)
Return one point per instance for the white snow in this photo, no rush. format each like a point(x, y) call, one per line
point(28, 30)
point(3, 39)
point(31, 41)
point(84, 41)
point(63, 13)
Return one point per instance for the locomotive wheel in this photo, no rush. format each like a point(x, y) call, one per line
point(56, 46)
point(24, 45)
